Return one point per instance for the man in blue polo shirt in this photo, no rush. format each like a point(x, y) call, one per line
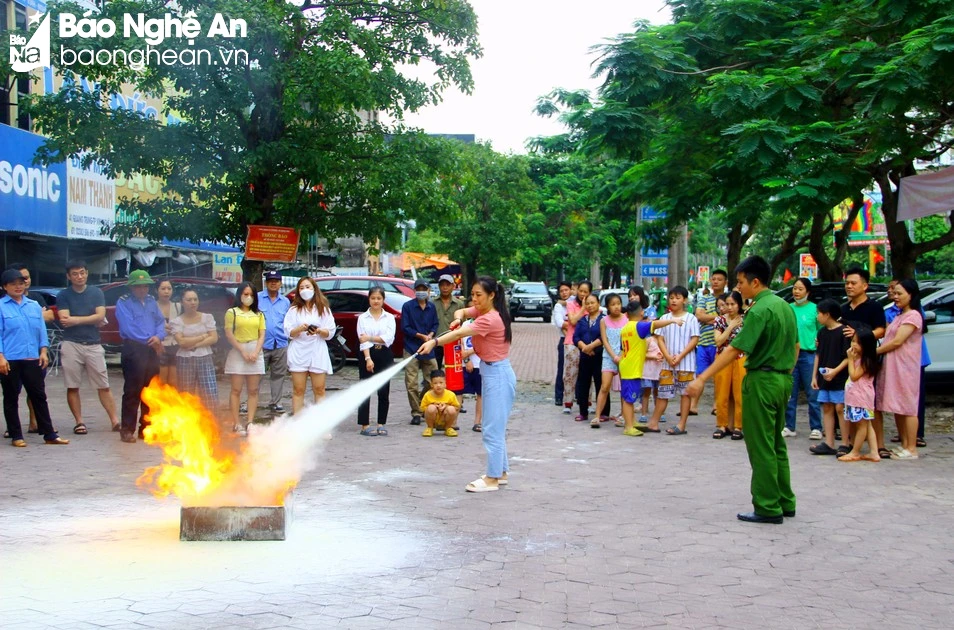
point(23, 356)
point(142, 327)
point(274, 306)
point(419, 324)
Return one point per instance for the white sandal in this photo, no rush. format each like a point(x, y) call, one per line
point(479, 485)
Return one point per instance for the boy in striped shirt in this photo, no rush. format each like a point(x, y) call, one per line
point(678, 345)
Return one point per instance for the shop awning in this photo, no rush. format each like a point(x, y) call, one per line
point(413, 260)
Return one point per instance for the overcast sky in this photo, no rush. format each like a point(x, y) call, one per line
point(530, 47)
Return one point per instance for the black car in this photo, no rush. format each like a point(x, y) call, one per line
point(530, 299)
point(834, 290)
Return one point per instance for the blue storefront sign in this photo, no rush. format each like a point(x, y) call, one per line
point(32, 197)
point(656, 253)
point(651, 214)
point(655, 271)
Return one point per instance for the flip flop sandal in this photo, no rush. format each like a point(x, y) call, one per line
point(594, 423)
point(477, 429)
point(718, 434)
point(33, 430)
point(80, 429)
point(896, 439)
point(479, 485)
point(368, 432)
point(676, 431)
point(580, 418)
point(619, 423)
point(382, 431)
point(117, 427)
point(920, 443)
point(737, 435)
point(884, 453)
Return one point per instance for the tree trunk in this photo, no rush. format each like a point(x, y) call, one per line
point(252, 272)
point(830, 269)
point(737, 240)
point(788, 247)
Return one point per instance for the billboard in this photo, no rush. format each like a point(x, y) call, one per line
point(32, 197)
point(868, 227)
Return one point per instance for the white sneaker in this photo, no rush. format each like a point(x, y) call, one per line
point(814, 435)
point(786, 432)
point(567, 410)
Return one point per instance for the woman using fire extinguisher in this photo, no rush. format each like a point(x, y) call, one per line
point(491, 337)
point(376, 328)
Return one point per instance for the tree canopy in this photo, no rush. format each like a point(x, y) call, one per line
point(293, 137)
point(767, 110)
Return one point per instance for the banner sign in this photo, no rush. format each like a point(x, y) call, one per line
point(91, 203)
point(271, 243)
point(868, 227)
point(703, 275)
point(807, 268)
point(227, 267)
point(655, 271)
point(32, 198)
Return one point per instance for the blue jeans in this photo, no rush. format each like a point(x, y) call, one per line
point(499, 389)
point(802, 378)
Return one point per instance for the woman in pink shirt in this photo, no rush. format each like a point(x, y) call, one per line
point(491, 335)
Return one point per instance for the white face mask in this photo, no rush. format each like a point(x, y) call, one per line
point(307, 294)
point(247, 300)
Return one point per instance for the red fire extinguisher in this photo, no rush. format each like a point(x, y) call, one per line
point(454, 367)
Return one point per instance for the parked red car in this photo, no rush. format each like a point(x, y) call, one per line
point(215, 298)
point(363, 283)
point(348, 304)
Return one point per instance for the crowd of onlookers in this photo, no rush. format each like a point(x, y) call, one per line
point(174, 340)
point(855, 362)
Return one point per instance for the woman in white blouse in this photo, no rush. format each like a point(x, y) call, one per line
point(195, 335)
point(375, 335)
point(308, 324)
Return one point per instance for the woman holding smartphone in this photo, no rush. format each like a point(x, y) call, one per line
point(308, 324)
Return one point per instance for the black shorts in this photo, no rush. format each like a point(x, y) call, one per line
point(472, 381)
point(168, 356)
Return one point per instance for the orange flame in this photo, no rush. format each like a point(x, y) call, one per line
point(197, 467)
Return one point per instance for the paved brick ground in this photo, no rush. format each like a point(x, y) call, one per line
point(595, 530)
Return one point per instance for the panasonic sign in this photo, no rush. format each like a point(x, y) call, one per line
point(32, 196)
point(32, 182)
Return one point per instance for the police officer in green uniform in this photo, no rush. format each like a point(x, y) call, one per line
point(769, 339)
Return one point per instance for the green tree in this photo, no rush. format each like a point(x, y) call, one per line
point(488, 195)
point(290, 138)
point(761, 108)
point(573, 220)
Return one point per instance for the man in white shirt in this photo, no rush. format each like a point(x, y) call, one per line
point(558, 319)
